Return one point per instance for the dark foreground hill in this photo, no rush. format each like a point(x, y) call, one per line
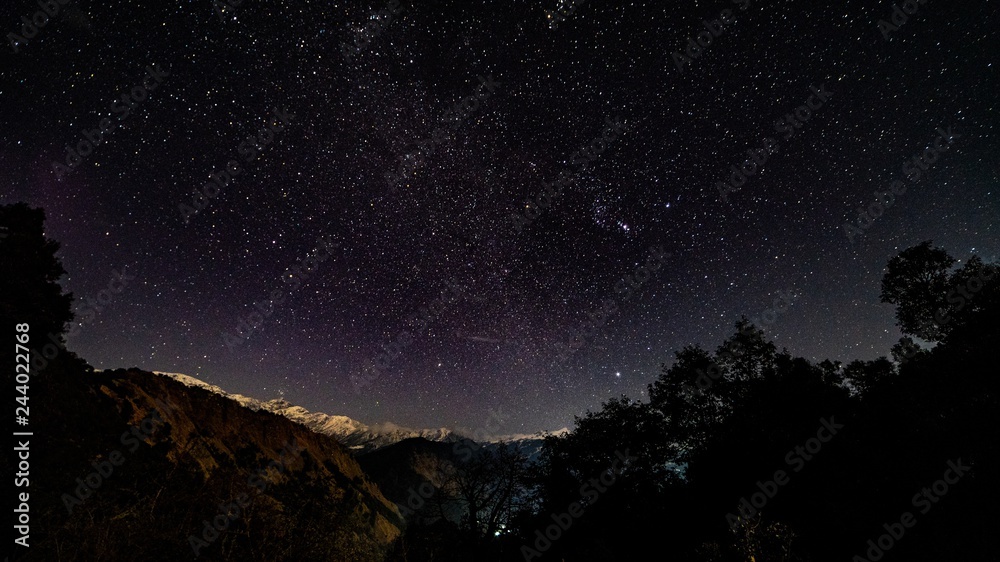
point(126, 465)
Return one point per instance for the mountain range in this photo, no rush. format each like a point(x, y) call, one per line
point(362, 438)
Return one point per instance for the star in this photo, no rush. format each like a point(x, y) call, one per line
point(475, 178)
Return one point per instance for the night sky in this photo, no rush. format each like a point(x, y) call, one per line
point(364, 173)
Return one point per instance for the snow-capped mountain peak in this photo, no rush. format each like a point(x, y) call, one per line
point(350, 432)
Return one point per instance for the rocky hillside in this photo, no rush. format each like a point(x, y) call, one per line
point(135, 466)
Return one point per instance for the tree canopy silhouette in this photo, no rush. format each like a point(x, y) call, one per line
point(916, 281)
point(29, 287)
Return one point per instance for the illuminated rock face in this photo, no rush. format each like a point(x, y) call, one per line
point(213, 477)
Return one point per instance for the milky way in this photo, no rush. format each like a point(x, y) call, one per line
point(428, 212)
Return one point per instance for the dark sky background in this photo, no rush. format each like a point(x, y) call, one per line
point(496, 347)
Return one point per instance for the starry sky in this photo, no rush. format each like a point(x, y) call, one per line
point(376, 214)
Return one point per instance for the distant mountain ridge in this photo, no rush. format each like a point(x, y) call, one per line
point(353, 434)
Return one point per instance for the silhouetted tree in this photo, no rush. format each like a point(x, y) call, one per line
point(864, 376)
point(488, 487)
point(29, 287)
point(687, 395)
point(916, 281)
